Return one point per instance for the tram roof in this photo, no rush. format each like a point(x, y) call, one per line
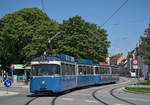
point(60, 57)
point(46, 58)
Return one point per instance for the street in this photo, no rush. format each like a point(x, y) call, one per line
point(110, 94)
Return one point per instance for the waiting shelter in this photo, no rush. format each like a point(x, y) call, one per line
point(21, 72)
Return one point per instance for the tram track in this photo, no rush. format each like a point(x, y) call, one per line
point(53, 101)
point(98, 99)
point(111, 93)
point(31, 100)
point(121, 99)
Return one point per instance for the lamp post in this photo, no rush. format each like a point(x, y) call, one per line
point(50, 40)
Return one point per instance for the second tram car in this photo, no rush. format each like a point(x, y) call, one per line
point(56, 74)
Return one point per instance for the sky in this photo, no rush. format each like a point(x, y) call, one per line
point(124, 28)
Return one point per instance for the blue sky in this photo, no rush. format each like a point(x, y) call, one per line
point(124, 28)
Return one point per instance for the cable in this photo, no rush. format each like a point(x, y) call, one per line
point(114, 13)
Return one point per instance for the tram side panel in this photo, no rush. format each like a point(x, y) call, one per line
point(67, 82)
point(101, 79)
point(115, 77)
point(85, 80)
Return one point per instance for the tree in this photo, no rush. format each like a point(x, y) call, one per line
point(24, 34)
point(145, 48)
point(82, 39)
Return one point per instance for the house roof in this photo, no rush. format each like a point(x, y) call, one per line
point(115, 57)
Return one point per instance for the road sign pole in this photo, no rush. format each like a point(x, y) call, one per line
point(12, 76)
point(7, 84)
point(2, 77)
point(7, 90)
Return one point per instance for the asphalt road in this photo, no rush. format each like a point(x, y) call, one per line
point(111, 94)
point(20, 96)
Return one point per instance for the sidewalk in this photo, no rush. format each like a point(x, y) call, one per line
point(16, 85)
point(5, 93)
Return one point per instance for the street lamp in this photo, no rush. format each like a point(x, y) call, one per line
point(50, 40)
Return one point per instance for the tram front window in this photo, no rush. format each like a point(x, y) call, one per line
point(45, 70)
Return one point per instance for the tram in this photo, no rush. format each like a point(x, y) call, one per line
point(54, 74)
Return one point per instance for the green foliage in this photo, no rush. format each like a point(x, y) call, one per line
point(145, 48)
point(82, 39)
point(24, 34)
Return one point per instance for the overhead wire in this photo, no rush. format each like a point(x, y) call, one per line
point(114, 13)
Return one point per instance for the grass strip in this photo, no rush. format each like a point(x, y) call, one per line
point(141, 90)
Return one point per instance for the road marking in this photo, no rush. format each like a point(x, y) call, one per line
point(67, 99)
point(91, 101)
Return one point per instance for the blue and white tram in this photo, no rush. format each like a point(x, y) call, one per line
point(52, 74)
point(57, 74)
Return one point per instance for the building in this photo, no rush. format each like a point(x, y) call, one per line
point(117, 59)
point(142, 69)
point(120, 60)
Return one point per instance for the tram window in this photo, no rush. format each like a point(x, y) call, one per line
point(67, 69)
point(45, 70)
point(100, 70)
point(92, 72)
point(57, 71)
point(103, 72)
point(84, 70)
point(88, 70)
point(63, 68)
point(73, 69)
point(106, 70)
point(70, 69)
point(80, 70)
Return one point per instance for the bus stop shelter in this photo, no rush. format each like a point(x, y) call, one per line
point(21, 72)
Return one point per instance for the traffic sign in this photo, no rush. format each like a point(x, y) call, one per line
point(134, 62)
point(12, 68)
point(7, 83)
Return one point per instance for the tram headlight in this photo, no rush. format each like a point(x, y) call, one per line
point(43, 82)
